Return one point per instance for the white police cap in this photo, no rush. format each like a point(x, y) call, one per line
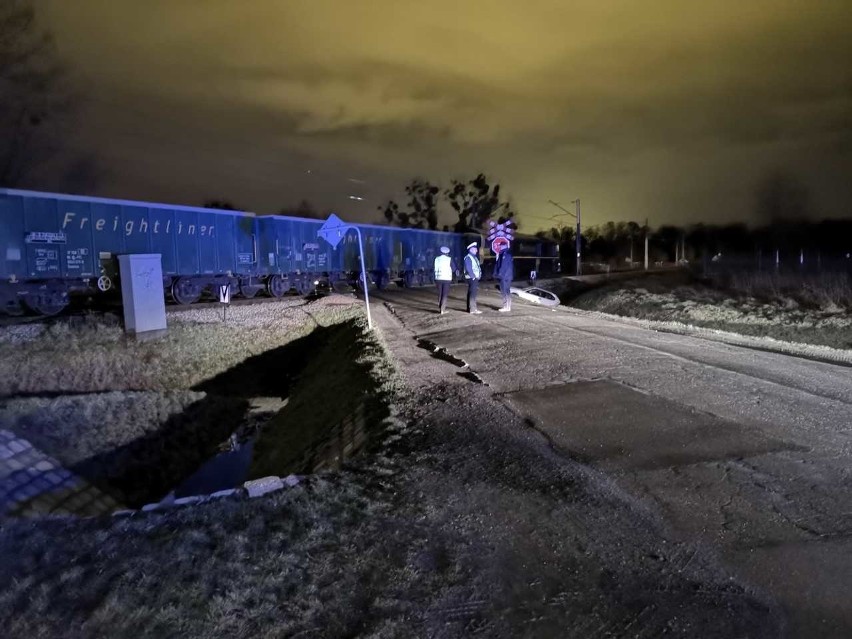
point(445, 249)
point(471, 245)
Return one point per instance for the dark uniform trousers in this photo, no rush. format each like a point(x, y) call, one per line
point(506, 291)
point(472, 289)
point(443, 293)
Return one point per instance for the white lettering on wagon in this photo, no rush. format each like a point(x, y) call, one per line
point(137, 226)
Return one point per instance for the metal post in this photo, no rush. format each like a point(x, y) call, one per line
point(364, 277)
point(579, 262)
point(646, 244)
point(579, 232)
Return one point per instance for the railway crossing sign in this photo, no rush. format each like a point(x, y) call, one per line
point(499, 244)
point(500, 235)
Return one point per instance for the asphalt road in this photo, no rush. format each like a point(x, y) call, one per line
point(746, 452)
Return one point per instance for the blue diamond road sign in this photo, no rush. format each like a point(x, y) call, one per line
point(333, 230)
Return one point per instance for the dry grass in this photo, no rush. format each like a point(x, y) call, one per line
point(76, 427)
point(692, 303)
point(96, 356)
point(195, 389)
point(828, 291)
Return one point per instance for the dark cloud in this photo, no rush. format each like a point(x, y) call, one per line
point(664, 109)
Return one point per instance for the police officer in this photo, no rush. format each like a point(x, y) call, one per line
point(504, 271)
point(472, 273)
point(443, 277)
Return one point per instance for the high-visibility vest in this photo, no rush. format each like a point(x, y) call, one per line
point(474, 267)
point(443, 268)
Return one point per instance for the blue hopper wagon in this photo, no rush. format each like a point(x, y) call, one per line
point(55, 246)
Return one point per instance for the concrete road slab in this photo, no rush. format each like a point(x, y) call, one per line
point(616, 427)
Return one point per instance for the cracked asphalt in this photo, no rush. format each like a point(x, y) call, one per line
point(742, 453)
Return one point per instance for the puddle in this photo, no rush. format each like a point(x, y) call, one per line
point(225, 470)
point(230, 467)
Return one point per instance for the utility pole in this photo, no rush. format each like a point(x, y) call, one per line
point(578, 236)
point(646, 243)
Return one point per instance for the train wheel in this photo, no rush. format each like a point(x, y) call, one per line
point(304, 286)
point(408, 280)
point(247, 289)
point(185, 291)
point(104, 283)
point(276, 286)
point(47, 301)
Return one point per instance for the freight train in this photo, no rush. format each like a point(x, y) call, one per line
point(57, 246)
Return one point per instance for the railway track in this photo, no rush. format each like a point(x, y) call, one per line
point(114, 308)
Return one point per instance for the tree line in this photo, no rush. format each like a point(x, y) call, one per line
point(615, 242)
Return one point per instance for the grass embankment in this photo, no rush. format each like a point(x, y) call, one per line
point(144, 416)
point(793, 315)
point(134, 446)
point(347, 378)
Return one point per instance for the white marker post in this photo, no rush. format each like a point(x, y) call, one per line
point(332, 231)
point(224, 298)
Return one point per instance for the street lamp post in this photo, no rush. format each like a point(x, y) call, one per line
point(578, 241)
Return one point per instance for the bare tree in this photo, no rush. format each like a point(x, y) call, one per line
point(32, 94)
point(422, 210)
point(475, 202)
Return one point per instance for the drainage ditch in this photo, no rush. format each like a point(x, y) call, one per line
point(306, 407)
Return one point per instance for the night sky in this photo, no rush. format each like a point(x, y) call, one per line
point(670, 110)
